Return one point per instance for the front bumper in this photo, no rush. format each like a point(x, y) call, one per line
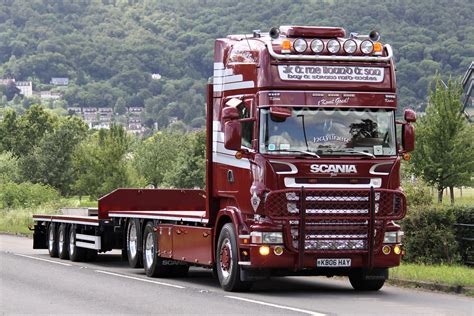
point(290, 260)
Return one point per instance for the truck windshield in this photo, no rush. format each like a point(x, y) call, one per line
point(351, 132)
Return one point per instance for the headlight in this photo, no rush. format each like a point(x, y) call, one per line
point(266, 237)
point(350, 46)
point(393, 237)
point(367, 47)
point(300, 45)
point(334, 46)
point(317, 46)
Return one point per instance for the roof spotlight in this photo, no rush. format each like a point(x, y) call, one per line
point(274, 32)
point(374, 36)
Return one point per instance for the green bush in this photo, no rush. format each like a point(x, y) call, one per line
point(14, 195)
point(430, 236)
point(465, 234)
point(418, 193)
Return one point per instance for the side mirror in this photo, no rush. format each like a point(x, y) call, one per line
point(232, 135)
point(410, 116)
point(408, 137)
point(230, 113)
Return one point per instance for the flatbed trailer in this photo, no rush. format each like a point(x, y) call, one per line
point(302, 171)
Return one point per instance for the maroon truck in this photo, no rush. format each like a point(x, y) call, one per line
point(302, 169)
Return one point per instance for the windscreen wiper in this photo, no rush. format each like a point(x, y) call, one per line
point(311, 153)
point(351, 151)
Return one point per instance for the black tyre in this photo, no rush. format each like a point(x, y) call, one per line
point(52, 240)
point(153, 264)
point(363, 282)
point(75, 253)
point(63, 241)
point(227, 257)
point(134, 251)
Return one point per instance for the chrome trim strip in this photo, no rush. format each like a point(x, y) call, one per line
point(81, 244)
point(326, 57)
point(244, 236)
point(245, 263)
point(372, 169)
point(293, 168)
point(374, 182)
point(169, 218)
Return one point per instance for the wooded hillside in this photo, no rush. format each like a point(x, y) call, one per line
point(109, 49)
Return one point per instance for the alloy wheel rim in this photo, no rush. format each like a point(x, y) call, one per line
point(72, 243)
point(61, 240)
point(51, 240)
point(132, 244)
point(149, 250)
point(225, 264)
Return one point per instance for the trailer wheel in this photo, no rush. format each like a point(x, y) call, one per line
point(228, 269)
point(75, 253)
point(153, 264)
point(63, 241)
point(134, 252)
point(52, 240)
point(360, 283)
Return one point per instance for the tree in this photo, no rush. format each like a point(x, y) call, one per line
point(50, 162)
point(189, 169)
point(100, 162)
point(444, 151)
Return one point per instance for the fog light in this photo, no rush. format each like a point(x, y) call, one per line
point(386, 250)
point(264, 250)
point(397, 249)
point(278, 250)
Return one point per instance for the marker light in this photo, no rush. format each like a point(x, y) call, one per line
point(334, 46)
point(278, 250)
point(406, 156)
point(300, 45)
point(386, 250)
point(286, 46)
point(367, 47)
point(397, 250)
point(317, 46)
point(264, 250)
point(350, 46)
point(239, 154)
point(377, 47)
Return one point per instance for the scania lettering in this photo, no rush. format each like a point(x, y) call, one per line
point(334, 168)
point(302, 171)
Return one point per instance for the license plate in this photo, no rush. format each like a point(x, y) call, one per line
point(333, 263)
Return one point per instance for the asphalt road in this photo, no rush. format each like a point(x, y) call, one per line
point(33, 283)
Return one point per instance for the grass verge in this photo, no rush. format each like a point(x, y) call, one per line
point(449, 275)
point(17, 220)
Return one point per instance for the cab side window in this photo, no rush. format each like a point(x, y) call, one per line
point(247, 127)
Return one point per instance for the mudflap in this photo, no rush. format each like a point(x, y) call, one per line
point(253, 274)
point(39, 237)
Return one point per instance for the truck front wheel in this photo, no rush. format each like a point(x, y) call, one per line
point(227, 260)
point(52, 240)
point(134, 253)
point(368, 282)
point(152, 263)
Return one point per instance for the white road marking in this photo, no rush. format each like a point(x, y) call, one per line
point(140, 279)
point(41, 259)
point(277, 306)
